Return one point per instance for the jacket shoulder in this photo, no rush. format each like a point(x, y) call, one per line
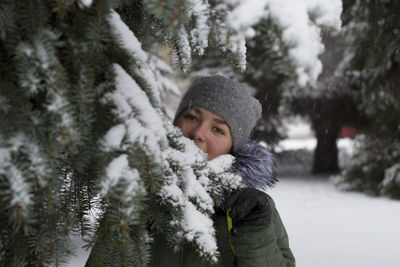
point(282, 238)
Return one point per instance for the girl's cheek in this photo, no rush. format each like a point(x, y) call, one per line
point(185, 128)
point(213, 146)
point(218, 146)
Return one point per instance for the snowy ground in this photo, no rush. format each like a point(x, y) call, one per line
point(327, 227)
point(330, 228)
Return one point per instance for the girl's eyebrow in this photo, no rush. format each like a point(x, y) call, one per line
point(198, 111)
point(219, 121)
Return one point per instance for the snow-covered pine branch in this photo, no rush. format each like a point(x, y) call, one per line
point(189, 181)
point(229, 22)
point(199, 34)
point(193, 186)
point(300, 23)
point(139, 60)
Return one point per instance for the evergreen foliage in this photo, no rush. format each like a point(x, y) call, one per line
point(83, 129)
point(271, 74)
point(372, 62)
point(74, 136)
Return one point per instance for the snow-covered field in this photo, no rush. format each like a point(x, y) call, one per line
point(327, 227)
point(331, 228)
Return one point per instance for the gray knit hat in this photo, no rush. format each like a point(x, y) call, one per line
point(229, 100)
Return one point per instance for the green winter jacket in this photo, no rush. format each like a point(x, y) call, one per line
point(261, 246)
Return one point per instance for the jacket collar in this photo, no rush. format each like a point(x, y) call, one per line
point(256, 165)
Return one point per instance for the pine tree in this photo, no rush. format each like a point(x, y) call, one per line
point(329, 106)
point(371, 70)
point(83, 127)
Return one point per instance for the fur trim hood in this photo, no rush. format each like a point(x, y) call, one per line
point(256, 165)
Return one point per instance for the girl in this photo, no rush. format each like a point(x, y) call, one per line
point(219, 114)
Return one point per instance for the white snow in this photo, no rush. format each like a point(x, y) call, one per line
point(114, 171)
point(220, 163)
point(306, 143)
point(128, 39)
point(188, 188)
point(299, 21)
point(301, 36)
point(198, 226)
point(191, 197)
point(58, 103)
point(331, 228)
point(143, 122)
point(199, 34)
point(162, 72)
point(31, 81)
point(21, 195)
point(254, 7)
point(326, 12)
point(140, 64)
point(113, 138)
point(184, 49)
point(119, 170)
point(193, 189)
point(299, 133)
point(297, 127)
point(20, 191)
point(392, 175)
point(134, 95)
point(85, 3)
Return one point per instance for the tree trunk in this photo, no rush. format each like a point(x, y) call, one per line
point(326, 152)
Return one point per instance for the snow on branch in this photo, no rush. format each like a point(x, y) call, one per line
point(132, 45)
point(40, 70)
point(142, 123)
point(191, 185)
point(199, 34)
point(119, 171)
point(85, 3)
point(19, 189)
point(391, 181)
point(300, 22)
point(21, 195)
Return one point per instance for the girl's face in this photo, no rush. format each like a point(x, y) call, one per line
point(208, 131)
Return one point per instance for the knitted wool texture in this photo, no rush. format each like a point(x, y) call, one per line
point(229, 100)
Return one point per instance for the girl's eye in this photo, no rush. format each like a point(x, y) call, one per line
point(219, 131)
point(190, 117)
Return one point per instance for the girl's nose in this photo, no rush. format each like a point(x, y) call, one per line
point(199, 133)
